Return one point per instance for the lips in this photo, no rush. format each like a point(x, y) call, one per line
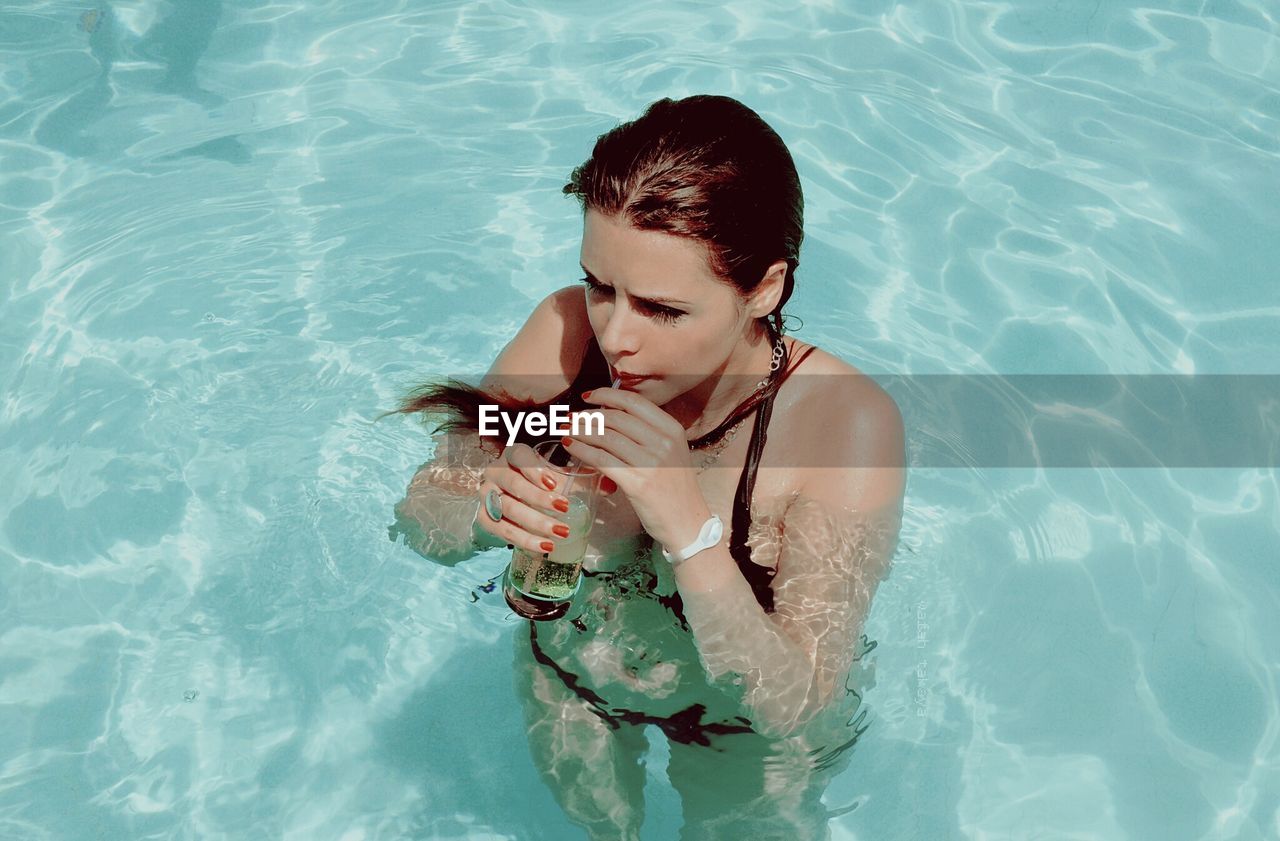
point(626, 379)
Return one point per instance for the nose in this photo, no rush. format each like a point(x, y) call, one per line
point(620, 336)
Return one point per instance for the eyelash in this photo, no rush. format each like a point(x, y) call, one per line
point(665, 314)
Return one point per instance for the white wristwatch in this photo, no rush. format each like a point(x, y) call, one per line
point(712, 531)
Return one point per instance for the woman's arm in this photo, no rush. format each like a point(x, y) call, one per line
point(439, 507)
point(838, 538)
point(539, 362)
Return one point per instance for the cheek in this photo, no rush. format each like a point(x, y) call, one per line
point(597, 316)
point(704, 343)
point(690, 352)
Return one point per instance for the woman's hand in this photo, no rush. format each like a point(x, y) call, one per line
point(644, 452)
point(527, 491)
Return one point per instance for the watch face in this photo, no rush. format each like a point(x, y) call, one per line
point(716, 532)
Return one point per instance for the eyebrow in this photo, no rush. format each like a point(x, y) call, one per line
point(647, 300)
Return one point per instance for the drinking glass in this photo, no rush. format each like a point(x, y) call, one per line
point(541, 585)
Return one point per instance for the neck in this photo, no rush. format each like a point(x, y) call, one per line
point(703, 407)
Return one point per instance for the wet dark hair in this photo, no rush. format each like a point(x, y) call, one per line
point(704, 167)
point(710, 169)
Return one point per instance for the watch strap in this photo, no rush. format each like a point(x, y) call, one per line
point(708, 536)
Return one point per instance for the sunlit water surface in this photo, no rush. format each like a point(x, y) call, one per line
point(232, 233)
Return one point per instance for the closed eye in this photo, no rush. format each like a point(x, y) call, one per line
point(659, 312)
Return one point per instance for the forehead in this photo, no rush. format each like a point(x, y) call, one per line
point(616, 252)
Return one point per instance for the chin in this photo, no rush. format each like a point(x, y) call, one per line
point(643, 387)
point(654, 390)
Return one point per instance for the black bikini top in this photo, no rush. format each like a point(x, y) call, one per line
point(595, 372)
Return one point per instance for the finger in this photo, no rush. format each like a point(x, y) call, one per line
point(634, 404)
point(531, 528)
point(524, 525)
point(530, 516)
point(518, 484)
point(606, 463)
point(625, 451)
point(516, 487)
point(525, 462)
point(623, 423)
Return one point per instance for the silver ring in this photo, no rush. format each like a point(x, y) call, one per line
point(493, 505)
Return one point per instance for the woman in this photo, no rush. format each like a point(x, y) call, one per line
point(739, 648)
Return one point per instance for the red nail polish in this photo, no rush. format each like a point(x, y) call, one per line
point(566, 441)
point(548, 546)
point(549, 481)
point(561, 530)
point(586, 395)
point(561, 505)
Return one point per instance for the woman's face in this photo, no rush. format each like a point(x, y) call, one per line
point(656, 308)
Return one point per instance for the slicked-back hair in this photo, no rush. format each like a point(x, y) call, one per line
point(710, 169)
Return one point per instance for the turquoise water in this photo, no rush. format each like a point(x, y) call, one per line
point(232, 233)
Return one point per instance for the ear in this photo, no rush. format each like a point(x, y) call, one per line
point(769, 292)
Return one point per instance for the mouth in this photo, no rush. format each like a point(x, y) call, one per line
point(626, 380)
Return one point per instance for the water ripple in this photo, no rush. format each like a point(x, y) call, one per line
point(234, 233)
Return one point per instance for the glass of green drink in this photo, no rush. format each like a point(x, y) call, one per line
point(541, 585)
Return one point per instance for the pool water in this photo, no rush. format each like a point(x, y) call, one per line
point(232, 233)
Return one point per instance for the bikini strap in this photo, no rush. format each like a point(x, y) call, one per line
point(759, 577)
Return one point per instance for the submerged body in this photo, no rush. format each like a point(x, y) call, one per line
point(626, 652)
point(738, 649)
point(623, 660)
point(626, 642)
point(755, 726)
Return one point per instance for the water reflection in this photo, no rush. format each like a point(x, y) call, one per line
point(177, 42)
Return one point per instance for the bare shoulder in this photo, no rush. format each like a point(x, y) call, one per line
point(818, 361)
point(546, 353)
point(843, 430)
point(829, 390)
